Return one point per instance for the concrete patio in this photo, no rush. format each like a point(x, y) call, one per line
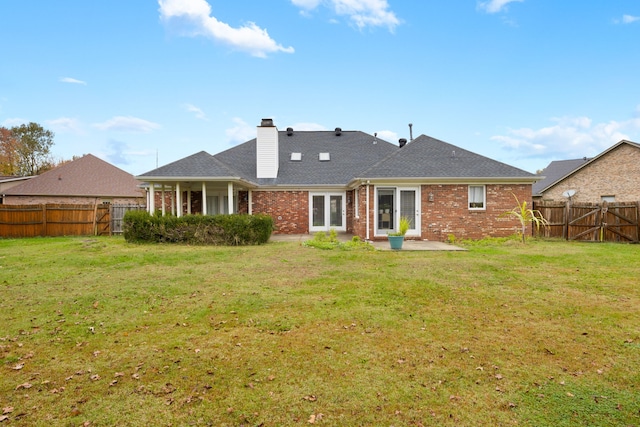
point(381, 245)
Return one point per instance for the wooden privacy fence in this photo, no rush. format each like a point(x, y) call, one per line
point(595, 222)
point(62, 220)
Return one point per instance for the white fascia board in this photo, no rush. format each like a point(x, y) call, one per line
point(441, 180)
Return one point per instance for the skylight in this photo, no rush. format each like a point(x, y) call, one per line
point(324, 157)
point(296, 157)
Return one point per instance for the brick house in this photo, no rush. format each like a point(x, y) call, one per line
point(86, 180)
point(612, 176)
point(350, 181)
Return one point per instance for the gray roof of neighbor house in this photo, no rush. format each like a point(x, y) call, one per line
point(558, 170)
point(555, 171)
point(86, 176)
point(352, 155)
point(427, 157)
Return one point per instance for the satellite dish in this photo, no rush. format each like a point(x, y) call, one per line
point(569, 193)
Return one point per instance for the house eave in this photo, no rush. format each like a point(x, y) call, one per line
point(145, 180)
point(445, 180)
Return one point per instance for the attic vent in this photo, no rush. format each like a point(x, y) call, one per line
point(338, 131)
point(324, 157)
point(296, 157)
point(402, 142)
point(289, 131)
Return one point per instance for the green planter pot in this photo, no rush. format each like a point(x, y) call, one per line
point(396, 242)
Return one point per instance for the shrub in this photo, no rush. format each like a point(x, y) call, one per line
point(140, 226)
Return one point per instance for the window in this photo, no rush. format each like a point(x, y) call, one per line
point(477, 198)
point(608, 199)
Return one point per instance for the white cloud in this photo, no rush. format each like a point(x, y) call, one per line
point(73, 81)
point(569, 137)
point(196, 111)
point(197, 13)
point(16, 121)
point(628, 19)
point(65, 124)
point(127, 124)
point(241, 132)
point(495, 6)
point(363, 13)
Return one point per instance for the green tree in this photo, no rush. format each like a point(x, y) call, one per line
point(525, 216)
point(27, 149)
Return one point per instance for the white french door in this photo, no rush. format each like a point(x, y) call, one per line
point(327, 211)
point(392, 203)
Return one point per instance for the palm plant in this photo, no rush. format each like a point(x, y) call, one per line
point(525, 216)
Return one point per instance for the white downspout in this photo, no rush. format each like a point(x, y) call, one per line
point(368, 212)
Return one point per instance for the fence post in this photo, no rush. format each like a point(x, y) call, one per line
point(43, 230)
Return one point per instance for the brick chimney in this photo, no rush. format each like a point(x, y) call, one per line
point(267, 150)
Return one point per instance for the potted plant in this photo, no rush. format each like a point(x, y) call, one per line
point(396, 239)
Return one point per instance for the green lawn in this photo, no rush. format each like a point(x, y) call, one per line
point(100, 332)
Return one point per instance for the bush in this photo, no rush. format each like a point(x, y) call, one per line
point(140, 226)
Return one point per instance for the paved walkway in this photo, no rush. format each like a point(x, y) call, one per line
point(382, 245)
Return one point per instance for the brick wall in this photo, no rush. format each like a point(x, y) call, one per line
point(617, 173)
point(289, 209)
point(448, 213)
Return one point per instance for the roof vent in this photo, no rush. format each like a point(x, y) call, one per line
point(403, 142)
point(324, 157)
point(338, 131)
point(289, 131)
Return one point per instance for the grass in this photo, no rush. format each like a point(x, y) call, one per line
point(96, 331)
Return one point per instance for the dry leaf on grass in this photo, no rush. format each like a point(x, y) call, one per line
point(23, 385)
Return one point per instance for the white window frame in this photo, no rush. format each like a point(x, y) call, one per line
point(484, 198)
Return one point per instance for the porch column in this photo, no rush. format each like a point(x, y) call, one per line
point(152, 198)
point(230, 196)
point(173, 200)
point(178, 200)
point(204, 198)
point(189, 201)
point(164, 210)
point(250, 202)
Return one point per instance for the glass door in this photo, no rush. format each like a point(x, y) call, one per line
point(392, 203)
point(327, 211)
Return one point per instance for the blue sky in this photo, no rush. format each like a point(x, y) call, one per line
point(140, 83)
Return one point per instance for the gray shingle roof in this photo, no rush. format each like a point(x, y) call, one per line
point(198, 165)
point(351, 154)
point(427, 157)
point(86, 176)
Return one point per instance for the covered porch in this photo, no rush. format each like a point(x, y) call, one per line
point(206, 197)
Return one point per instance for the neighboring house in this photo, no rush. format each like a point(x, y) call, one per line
point(7, 182)
point(86, 180)
point(350, 181)
point(612, 176)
